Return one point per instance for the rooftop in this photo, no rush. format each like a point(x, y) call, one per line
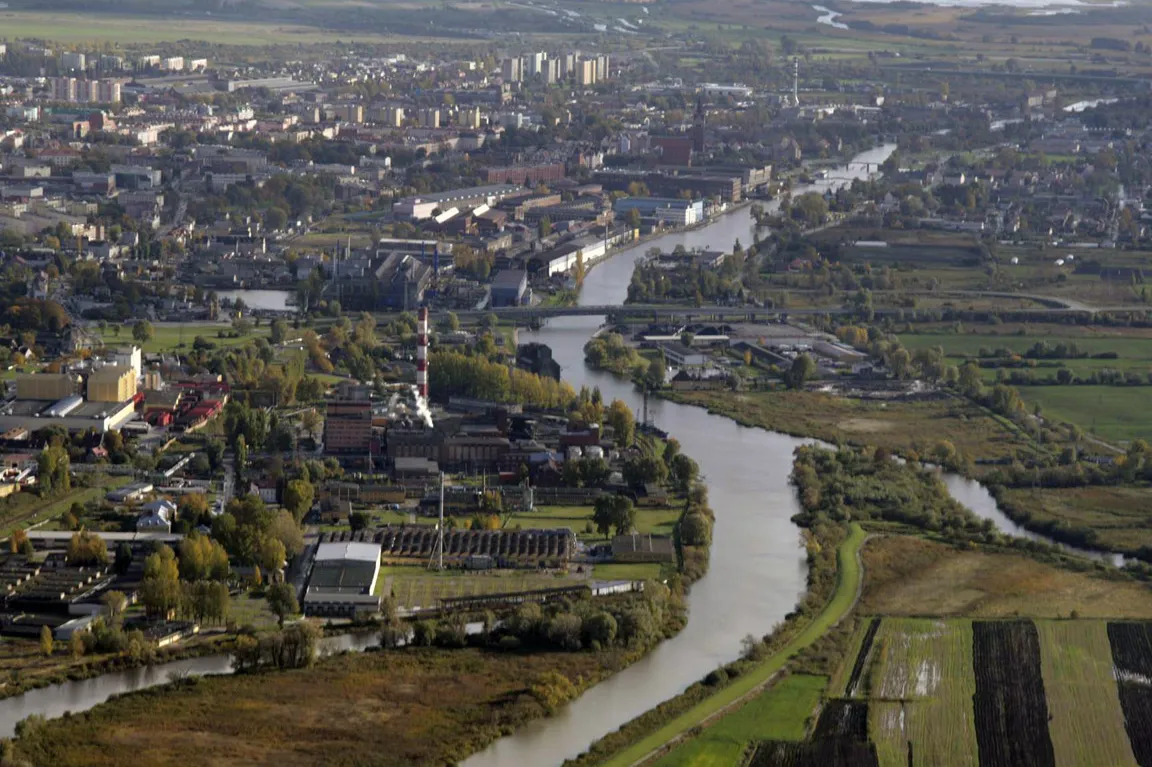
point(363, 552)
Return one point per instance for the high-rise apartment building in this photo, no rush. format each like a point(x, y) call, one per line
point(512, 70)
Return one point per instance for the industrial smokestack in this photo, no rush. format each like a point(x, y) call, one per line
point(422, 353)
point(795, 81)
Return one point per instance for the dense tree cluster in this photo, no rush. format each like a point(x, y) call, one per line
point(455, 374)
point(857, 485)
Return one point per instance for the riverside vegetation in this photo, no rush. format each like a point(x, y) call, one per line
point(455, 692)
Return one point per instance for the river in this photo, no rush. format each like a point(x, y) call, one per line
point(82, 695)
point(757, 569)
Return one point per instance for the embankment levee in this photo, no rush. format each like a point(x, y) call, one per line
point(660, 729)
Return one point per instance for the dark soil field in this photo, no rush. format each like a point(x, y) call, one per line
point(1132, 659)
point(865, 648)
point(842, 719)
point(1011, 712)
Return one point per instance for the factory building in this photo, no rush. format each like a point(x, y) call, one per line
point(112, 383)
point(343, 580)
point(46, 386)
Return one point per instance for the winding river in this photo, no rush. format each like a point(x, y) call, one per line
point(757, 567)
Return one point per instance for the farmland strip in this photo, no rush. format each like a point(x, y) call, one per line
point(822, 753)
point(1011, 710)
point(842, 719)
point(862, 657)
point(921, 693)
point(1087, 725)
point(1131, 646)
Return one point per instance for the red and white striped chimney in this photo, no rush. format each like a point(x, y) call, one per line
point(422, 352)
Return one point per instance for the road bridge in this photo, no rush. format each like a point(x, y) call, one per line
point(657, 312)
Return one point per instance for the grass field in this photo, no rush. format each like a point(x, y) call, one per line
point(897, 426)
point(922, 686)
point(634, 572)
point(913, 577)
point(848, 580)
point(169, 337)
point(1119, 515)
point(1133, 352)
point(1117, 413)
point(781, 713)
point(420, 587)
point(1087, 726)
point(577, 518)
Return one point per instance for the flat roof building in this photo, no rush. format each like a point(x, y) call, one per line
point(343, 579)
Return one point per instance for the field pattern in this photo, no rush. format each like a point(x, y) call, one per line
point(1132, 658)
point(1011, 712)
point(922, 684)
point(821, 753)
point(862, 658)
point(842, 719)
point(1087, 724)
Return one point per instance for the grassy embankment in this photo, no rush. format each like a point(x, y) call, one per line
point(1117, 514)
point(843, 598)
point(380, 708)
point(898, 426)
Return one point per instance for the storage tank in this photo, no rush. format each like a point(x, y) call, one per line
point(64, 407)
point(574, 453)
point(594, 451)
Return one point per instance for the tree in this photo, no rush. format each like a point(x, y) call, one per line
point(282, 601)
point(619, 417)
point(613, 511)
point(76, 644)
point(654, 376)
point(602, 515)
point(971, 383)
point(87, 548)
point(123, 558)
point(298, 498)
point(310, 421)
point(802, 369)
point(160, 592)
point(46, 644)
point(278, 332)
point(53, 471)
point(640, 470)
point(633, 218)
point(142, 331)
point(358, 520)
point(271, 554)
point(544, 227)
point(683, 471)
point(115, 603)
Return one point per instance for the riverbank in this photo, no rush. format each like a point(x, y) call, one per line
point(698, 706)
point(412, 706)
point(30, 671)
point(911, 429)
